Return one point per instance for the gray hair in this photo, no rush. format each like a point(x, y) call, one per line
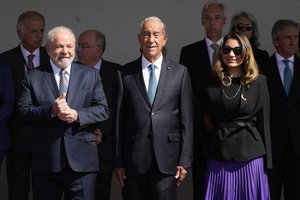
point(213, 3)
point(51, 33)
point(28, 15)
point(281, 24)
point(153, 18)
point(254, 39)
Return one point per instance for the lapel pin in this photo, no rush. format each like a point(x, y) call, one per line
point(244, 98)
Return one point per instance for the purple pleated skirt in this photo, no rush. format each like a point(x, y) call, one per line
point(232, 180)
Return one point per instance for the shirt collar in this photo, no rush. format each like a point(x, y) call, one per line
point(26, 53)
point(209, 42)
point(157, 63)
point(279, 58)
point(98, 64)
point(56, 69)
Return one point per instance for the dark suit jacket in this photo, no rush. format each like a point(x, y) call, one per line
point(21, 139)
point(164, 129)
point(6, 104)
point(261, 58)
point(250, 137)
point(195, 57)
point(111, 84)
point(56, 142)
point(285, 126)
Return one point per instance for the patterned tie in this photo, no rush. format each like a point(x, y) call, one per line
point(152, 83)
point(63, 83)
point(215, 47)
point(30, 64)
point(287, 77)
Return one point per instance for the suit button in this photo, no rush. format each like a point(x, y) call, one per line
point(152, 113)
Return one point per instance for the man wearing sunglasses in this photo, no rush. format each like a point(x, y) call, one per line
point(198, 58)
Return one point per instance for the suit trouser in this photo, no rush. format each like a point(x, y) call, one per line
point(18, 169)
point(103, 183)
point(1, 158)
point(73, 185)
point(153, 185)
point(285, 174)
point(199, 175)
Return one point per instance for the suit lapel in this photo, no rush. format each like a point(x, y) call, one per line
point(205, 56)
point(19, 63)
point(139, 79)
point(162, 79)
point(49, 76)
point(274, 75)
point(108, 81)
point(296, 75)
point(73, 82)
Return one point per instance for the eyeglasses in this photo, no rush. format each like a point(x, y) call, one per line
point(236, 50)
point(244, 27)
point(85, 46)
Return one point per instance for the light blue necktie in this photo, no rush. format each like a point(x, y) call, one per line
point(152, 83)
point(287, 77)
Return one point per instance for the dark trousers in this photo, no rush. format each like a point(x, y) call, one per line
point(153, 185)
point(103, 183)
point(18, 169)
point(1, 158)
point(73, 185)
point(199, 175)
point(286, 174)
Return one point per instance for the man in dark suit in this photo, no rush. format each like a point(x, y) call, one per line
point(6, 107)
point(198, 58)
point(91, 46)
point(154, 140)
point(61, 100)
point(285, 109)
point(30, 29)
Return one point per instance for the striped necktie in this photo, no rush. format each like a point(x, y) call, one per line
point(63, 83)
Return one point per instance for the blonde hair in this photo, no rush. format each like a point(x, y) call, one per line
point(249, 66)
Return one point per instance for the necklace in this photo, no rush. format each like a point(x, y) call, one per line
point(227, 97)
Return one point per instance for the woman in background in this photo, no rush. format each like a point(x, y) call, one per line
point(246, 24)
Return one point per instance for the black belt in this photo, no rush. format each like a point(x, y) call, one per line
point(248, 124)
point(237, 124)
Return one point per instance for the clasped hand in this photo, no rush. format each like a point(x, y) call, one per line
point(61, 109)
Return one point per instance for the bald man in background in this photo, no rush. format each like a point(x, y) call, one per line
point(91, 46)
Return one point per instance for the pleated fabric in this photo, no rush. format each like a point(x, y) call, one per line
point(232, 180)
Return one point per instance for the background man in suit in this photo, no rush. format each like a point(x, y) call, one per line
point(6, 107)
point(154, 139)
point(30, 29)
point(61, 100)
point(285, 108)
point(198, 58)
point(91, 46)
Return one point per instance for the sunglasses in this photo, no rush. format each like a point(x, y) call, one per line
point(246, 27)
point(236, 50)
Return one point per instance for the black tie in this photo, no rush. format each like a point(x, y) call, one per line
point(63, 83)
